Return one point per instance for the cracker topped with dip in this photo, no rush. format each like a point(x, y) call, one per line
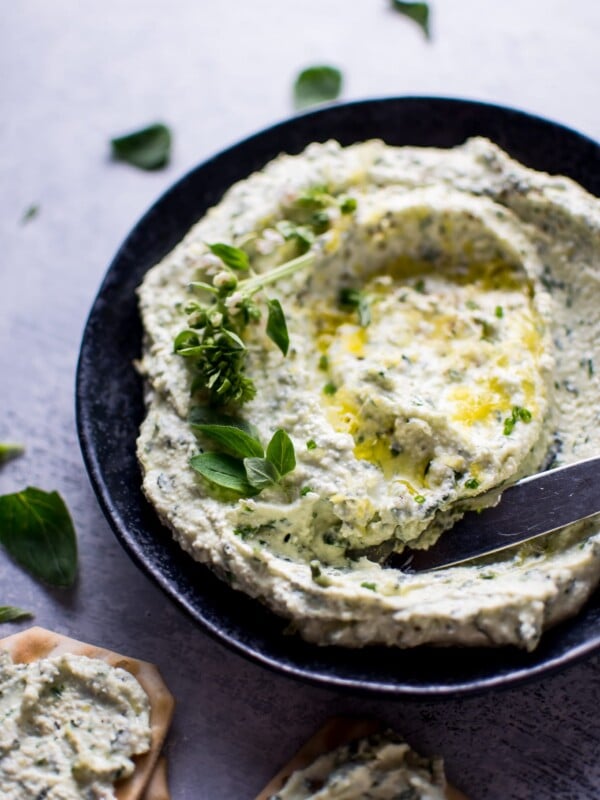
point(345, 355)
point(79, 721)
point(354, 758)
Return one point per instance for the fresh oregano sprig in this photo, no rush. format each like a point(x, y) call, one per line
point(213, 341)
point(243, 467)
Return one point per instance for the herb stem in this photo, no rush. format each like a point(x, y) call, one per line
point(252, 285)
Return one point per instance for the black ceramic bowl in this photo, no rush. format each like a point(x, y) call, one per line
point(110, 407)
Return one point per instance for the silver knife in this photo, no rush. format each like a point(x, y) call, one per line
point(534, 506)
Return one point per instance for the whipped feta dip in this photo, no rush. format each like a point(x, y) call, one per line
point(465, 360)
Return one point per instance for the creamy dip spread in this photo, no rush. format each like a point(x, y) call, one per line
point(69, 728)
point(443, 325)
point(381, 767)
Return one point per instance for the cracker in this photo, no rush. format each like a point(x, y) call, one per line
point(157, 787)
point(337, 731)
point(36, 643)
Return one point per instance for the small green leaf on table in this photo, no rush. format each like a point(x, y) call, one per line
point(13, 614)
point(37, 531)
point(418, 12)
point(317, 84)
point(30, 213)
point(148, 148)
point(9, 450)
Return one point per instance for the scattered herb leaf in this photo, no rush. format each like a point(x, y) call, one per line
point(9, 450)
point(148, 148)
point(418, 12)
point(329, 388)
point(420, 286)
point(316, 574)
point(369, 585)
point(499, 312)
point(223, 470)
point(277, 327)
point(31, 212)
point(280, 452)
point(355, 299)
point(323, 362)
point(419, 499)
point(233, 257)
point(311, 444)
point(12, 614)
point(305, 490)
point(37, 531)
point(303, 234)
point(317, 84)
point(261, 472)
point(315, 197)
point(518, 414)
point(348, 205)
point(472, 483)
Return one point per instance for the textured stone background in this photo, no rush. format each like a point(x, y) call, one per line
point(71, 76)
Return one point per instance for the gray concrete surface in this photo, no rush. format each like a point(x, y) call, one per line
point(71, 76)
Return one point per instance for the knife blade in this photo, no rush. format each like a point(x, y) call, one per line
point(533, 507)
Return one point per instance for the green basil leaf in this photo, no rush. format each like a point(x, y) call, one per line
point(261, 472)
point(418, 12)
point(205, 415)
point(280, 452)
point(147, 148)
point(353, 298)
point(37, 531)
point(233, 440)
point(9, 450)
point(233, 257)
point(317, 84)
point(12, 614)
point(223, 470)
point(277, 326)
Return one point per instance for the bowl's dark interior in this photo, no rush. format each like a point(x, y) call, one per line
point(110, 407)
